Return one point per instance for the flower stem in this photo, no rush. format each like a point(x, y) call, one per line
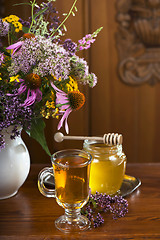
point(65, 18)
point(8, 39)
point(32, 14)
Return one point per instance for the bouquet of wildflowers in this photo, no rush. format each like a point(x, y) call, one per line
point(39, 72)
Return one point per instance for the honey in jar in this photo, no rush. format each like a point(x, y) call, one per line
point(107, 168)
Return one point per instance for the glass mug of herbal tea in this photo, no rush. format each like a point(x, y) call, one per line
point(71, 169)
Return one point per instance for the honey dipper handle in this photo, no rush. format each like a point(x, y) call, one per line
point(110, 138)
point(59, 137)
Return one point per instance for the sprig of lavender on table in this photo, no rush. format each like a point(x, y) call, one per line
point(101, 203)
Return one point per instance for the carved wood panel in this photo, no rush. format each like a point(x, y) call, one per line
point(138, 41)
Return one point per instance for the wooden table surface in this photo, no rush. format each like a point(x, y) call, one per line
point(29, 215)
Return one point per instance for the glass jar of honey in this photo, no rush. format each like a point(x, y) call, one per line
point(107, 168)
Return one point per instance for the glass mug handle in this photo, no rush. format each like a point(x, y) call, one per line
point(43, 176)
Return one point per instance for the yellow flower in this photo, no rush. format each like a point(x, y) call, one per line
point(18, 26)
point(17, 30)
point(54, 77)
point(49, 113)
point(60, 79)
point(55, 114)
point(0, 78)
point(14, 20)
point(6, 19)
point(72, 85)
point(42, 112)
point(11, 18)
point(14, 17)
point(69, 85)
point(14, 78)
point(69, 88)
point(50, 104)
point(52, 95)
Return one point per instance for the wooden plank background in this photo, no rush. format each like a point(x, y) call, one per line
point(111, 106)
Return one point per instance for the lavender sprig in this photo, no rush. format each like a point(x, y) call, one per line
point(70, 46)
point(101, 203)
point(24, 23)
point(86, 41)
point(12, 113)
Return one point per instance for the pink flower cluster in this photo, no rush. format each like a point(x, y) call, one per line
point(85, 42)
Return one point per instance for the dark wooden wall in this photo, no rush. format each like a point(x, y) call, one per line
point(111, 106)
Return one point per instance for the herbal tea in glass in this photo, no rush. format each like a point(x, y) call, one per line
point(71, 180)
point(71, 174)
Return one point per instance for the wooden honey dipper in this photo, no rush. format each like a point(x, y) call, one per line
point(109, 138)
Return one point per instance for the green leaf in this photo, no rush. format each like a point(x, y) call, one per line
point(5, 52)
point(64, 27)
point(40, 12)
point(16, 4)
point(37, 132)
point(94, 203)
point(75, 8)
point(96, 32)
point(25, 29)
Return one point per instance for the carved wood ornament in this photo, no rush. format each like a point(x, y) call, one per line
point(138, 41)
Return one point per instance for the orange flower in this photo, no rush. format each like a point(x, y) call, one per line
point(34, 81)
point(28, 35)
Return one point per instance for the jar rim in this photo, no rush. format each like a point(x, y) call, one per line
point(90, 142)
point(92, 145)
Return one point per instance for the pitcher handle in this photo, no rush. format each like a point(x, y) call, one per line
point(43, 175)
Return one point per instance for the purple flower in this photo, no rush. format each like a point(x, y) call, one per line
point(13, 113)
point(15, 46)
point(67, 103)
point(2, 142)
point(80, 72)
point(4, 28)
point(24, 23)
point(43, 56)
point(103, 203)
point(85, 42)
point(32, 94)
point(1, 58)
point(98, 220)
point(79, 69)
point(62, 99)
point(70, 46)
point(91, 80)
